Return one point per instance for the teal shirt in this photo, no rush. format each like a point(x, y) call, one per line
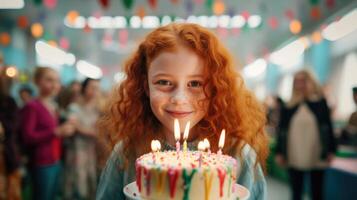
point(114, 177)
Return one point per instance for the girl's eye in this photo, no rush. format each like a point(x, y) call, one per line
point(163, 82)
point(194, 84)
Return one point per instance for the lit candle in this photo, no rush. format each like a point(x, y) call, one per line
point(185, 136)
point(155, 147)
point(221, 141)
point(177, 135)
point(200, 147)
point(207, 145)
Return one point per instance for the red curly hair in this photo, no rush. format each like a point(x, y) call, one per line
point(231, 106)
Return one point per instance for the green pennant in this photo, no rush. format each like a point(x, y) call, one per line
point(209, 4)
point(37, 2)
point(128, 4)
point(314, 2)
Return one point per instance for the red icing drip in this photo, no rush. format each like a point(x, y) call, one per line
point(173, 176)
point(221, 176)
point(147, 179)
point(138, 176)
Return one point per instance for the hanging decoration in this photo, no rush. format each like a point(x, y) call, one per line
point(295, 26)
point(52, 43)
point(72, 16)
point(174, 1)
point(315, 12)
point(219, 7)
point(104, 3)
point(189, 7)
point(209, 4)
point(123, 37)
point(231, 11)
point(316, 37)
point(273, 22)
point(50, 4)
point(245, 14)
point(22, 22)
point(41, 16)
point(289, 14)
point(37, 2)
point(97, 14)
point(199, 2)
point(128, 4)
point(86, 28)
point(36, 30)
point(5, 39)
point(64, 43)
point(314, 2)
point(140, 11)
point(330, 4)
point(153, 4)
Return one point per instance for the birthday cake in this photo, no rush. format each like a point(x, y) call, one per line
point(188, 175)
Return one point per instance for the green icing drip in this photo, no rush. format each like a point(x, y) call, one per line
point(229, 171)
point(187, 182)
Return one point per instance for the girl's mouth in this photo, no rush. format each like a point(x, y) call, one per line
point(178, 114)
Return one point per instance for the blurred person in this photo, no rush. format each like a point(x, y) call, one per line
point(349, 133)
point(80, 163)
point(75, 88)
point(42, 134)
point(306, 143)
point(26, 94)
point(10, 177)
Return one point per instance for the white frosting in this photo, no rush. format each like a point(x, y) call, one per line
point(214, 179)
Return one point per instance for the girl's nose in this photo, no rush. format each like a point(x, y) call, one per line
point(179, 96)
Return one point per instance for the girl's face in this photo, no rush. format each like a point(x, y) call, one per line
point(92, 90)
point(49, 83)
point(175, 81)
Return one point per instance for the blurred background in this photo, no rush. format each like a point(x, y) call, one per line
point(269, 40)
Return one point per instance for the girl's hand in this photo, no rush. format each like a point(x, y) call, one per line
point(280, 160)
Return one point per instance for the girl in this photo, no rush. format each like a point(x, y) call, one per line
point(42, 135)
point(80, 159)
point(182, 71)
point(305, 137)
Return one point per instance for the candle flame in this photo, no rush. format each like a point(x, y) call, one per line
point(187, 130)
point(155, 145)
point(201, 146)
point(221, 139)
point(206, 142)
point(177, 129)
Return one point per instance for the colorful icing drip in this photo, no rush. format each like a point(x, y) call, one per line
point(138, 176)
point(160, 180)
point(147, 180)
point(229, 172)
point(187, 182)
point(208, 183)
point(173, 176)
point(221, 176)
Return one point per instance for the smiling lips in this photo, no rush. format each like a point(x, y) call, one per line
point(178, 114)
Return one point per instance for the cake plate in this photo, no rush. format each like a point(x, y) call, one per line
point(131, 192)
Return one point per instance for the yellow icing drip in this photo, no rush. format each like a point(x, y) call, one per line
point(208, 183)
point(160, 177)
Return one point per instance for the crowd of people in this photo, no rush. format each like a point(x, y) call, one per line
point(49, 142)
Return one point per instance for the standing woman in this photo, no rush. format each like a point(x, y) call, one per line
point(42, 134)
point(80, 163)
point(306, 142)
